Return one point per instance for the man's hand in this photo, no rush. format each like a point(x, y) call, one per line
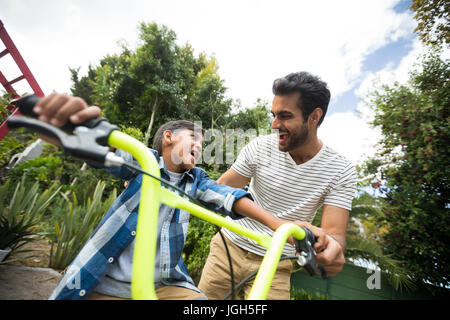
point(329, 252)
point(322, 240)
point(332, 257)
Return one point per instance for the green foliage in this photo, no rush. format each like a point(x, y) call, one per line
point(9, 146)
point(257, 118)
point(43, 169)
point(411, 170)
point(82, 87)
point(196, 248)
point(304, 295)
point(75, 223)
point(21, 208)
point(14, 142)
point(5, 100)
point(134, 132)
point(370, 251)
point(433, 21)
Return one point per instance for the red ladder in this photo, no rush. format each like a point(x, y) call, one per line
point(26, 74)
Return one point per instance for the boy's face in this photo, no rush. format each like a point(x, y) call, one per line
point(185, 148)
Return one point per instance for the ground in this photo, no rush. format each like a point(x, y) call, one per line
point(29, 279)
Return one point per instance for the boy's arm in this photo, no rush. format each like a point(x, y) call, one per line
point(250, 209)
point(238, 205)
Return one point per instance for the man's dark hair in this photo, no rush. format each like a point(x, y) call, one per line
point(313, 92)
point(173, 126)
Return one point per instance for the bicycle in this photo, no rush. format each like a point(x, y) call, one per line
point(90, 141)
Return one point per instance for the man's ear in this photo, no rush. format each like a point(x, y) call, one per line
point(315, 116)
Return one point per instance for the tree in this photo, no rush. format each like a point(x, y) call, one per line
point(82, 87)
point(158, 82)
point(257, 118)
point(411, 170)
point(433, 21)
point(208, 102)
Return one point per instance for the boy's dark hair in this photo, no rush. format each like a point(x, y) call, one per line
point(313, 92)
point(173, 126)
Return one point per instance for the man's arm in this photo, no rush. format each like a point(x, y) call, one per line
point(334, 222)
point(233, 179)
point(248, 208)
point(330, 254)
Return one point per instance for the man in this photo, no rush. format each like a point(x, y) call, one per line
point(291, 174)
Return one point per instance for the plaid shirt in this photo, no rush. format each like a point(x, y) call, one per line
point(118, 229)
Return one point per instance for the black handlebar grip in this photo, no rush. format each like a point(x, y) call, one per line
point(27, 103)
point(36, 126)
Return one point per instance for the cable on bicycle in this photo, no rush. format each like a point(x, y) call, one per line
point(167, 184)
point(248, 277)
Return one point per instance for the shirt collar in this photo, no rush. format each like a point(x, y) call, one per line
point(163, 168)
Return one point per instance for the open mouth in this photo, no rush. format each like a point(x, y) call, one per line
point(282, 137)
point(194, 155)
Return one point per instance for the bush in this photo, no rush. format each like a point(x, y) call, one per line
point(304, 295)
point(196, 248)
point(43, 169)
point(21, 209)
point(75, 223)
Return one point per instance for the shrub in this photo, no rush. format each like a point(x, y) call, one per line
point(75, 224)
point(21, 210)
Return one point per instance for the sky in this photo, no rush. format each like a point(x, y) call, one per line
point(351, 44)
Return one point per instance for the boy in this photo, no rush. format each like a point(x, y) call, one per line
point(102, 269)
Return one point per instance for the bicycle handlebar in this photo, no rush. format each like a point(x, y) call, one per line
point(27, 103)
point(90, 143)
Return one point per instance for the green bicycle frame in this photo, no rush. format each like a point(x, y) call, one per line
point(142, 284)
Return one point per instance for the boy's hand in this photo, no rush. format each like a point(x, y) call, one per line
point(58, 109)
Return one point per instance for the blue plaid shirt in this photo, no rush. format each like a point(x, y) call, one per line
point(118, 229)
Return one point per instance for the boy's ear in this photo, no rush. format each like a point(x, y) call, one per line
point(167, 137)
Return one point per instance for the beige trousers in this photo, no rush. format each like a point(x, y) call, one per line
point(215, 280)
point(163, 293)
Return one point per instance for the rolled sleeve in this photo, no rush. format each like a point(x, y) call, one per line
point(218, 197)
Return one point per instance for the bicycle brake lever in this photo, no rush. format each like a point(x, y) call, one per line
point(307, 257)
point(87, 143)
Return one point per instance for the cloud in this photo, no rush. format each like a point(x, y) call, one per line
point(350, 135)
point(254, 41)
point(387, 76)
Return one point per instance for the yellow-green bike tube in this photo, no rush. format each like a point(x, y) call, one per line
point(142, 285)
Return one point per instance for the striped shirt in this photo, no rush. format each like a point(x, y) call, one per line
point(290, 191)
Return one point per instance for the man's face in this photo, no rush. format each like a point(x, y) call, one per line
point(187, 148)
point(288, 120)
